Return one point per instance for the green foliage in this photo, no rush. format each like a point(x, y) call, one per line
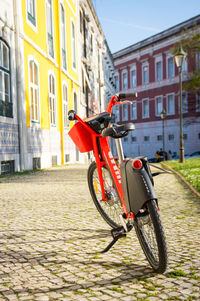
point(190, 170)
point(176, 273)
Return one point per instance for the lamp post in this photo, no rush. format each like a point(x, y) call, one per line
point(162, 116)
point(179, 59)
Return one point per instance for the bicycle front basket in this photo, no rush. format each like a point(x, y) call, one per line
point(81, 137)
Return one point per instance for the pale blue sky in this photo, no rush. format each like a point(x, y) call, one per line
point(126, 22)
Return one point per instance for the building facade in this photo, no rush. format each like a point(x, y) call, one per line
point(51, 62)
point(148, 68)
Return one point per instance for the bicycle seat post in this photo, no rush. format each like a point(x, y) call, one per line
point(119, 150)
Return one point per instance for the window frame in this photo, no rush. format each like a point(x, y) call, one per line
point(125, 112)
point(65, 104)
point(73, 45)
point(145, 65)
point(52, 100)
point(197, 109)
point(143, 101)
point(6, 104)
point(124, 73)
point(157, 114)
point(63, 34)
point(169, 57)
point(32, 59)
point(116, 82)
point(133, 69)
point(47, 33)
point(167, 102)
point(134, 102)
point(157, 61)
point(28, 21)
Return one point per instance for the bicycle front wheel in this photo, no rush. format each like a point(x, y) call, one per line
point(149, 230)
point(111, 209)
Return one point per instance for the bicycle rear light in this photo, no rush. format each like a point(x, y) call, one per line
point(137, 164)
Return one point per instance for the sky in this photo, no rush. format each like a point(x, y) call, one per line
point(126, 22)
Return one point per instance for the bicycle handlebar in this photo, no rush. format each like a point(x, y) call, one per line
point(121, 96)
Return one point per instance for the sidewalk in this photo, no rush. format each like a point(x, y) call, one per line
point(50, 233)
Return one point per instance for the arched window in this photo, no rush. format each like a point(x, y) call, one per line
point(65, 106)
point(52, 100)
point(34, 90)
point(5, 95)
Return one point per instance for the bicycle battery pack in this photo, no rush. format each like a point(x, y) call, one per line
point(137, 184)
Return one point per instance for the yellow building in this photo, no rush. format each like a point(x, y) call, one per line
point(51, 79)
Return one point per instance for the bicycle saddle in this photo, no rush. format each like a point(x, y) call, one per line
point(118, 131)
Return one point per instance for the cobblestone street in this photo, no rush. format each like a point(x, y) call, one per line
point(51, 233)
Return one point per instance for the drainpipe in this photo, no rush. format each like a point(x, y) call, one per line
point(21, 111)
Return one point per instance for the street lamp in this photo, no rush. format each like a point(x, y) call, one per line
point(162, 116)
point(179, 59)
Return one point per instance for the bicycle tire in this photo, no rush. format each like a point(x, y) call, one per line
point(156, 249)
point(111, 209)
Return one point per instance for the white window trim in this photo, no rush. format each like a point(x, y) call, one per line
point(145, 64)
point(157, 60)
point(145, 99)
point(52, 58)
point(51, 73)
point(61, 3)
point(132, 117)
point(169, 114)
point(133, 68)
point(124, 118)
point(124, 72)
point(31, 58)
point(168, 57)
point(75, 44)
point(65, 102)
point(158, 96)
point(34, 27)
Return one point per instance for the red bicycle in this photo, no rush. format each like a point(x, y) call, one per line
point(123, 194)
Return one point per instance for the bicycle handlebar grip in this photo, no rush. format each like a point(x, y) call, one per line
point(125, 95)
point(71, 115)
point(107, 132)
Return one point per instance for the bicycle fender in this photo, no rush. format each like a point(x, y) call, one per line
point(137, 185)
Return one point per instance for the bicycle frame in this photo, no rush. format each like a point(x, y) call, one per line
point(104, 157)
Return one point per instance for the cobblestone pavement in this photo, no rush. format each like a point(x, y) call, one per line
point(50, 233)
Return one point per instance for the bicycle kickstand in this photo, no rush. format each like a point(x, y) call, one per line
point(116, 234)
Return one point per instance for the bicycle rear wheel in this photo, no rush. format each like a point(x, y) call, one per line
point(149, 230)
point(111, 209)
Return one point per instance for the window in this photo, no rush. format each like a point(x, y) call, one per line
point(159, 105)
point(185, 103)
point(185, 136)
point(185, 65)
point(159, 137)
point(170, 67)
point(31, 11)
point(133, 139)
point(73, 46)
point(116, 112)
point(145, 74)
point(125, 139)
point(52, 100)
point(125, 111)
point(6, 108)
point(117, 83)
point(63, 38)
point(133, 78)
point(146, 138)
point(65, 106)
point(34, 90)
point(134, 110)
point(91, 42)
point(171, 137)
point(170, 104)
point(81, 21)
point(158, 71)
point(124, 81)
point(145, 108)
point(50, 28)
point(198, 102)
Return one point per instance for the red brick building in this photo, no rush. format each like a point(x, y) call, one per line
point(148, 68)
